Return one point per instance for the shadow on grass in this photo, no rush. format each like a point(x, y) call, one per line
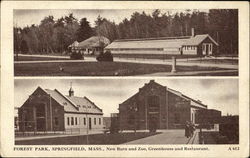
point(107, 139)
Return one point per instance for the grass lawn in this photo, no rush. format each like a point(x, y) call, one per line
point(217, 61)
point(97, 69)
point(118, 138)
point(30, 58)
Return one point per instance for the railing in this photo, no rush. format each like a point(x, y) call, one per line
point(68, 131)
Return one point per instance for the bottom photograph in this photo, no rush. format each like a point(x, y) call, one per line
point(126, 111)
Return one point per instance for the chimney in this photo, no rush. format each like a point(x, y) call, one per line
point(192, 32)
point(71, 91)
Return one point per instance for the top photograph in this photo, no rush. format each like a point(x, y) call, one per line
point(125, 42)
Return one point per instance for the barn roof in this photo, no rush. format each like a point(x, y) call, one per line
point(94, 41)
point(162, 42)
point(73, 103)
point(195, 103)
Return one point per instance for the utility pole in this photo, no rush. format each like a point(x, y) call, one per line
point(217, 36)
point(87, 134)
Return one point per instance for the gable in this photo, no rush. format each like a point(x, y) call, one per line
point(151, 87)
point(39, 91)
point(198, 39)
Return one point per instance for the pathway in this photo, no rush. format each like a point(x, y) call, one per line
point(168, 137)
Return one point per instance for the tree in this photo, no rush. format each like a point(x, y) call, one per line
point(84, 31)
point(24, 47)
point(223, 24)
point(47, 29)
point(56, 35)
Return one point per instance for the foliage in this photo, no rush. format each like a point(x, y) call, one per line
point(54, 36)
point(107, 56)
point(75, 55)
point(84, 31)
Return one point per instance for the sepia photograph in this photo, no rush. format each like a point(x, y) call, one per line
point(125, 42)
point(124, 79)
point(141, 111)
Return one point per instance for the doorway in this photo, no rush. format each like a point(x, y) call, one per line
point(40, 117)
point(207, 48)
point(153, 122)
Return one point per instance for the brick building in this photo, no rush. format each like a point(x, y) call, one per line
point(49, 110)
point(158, 105)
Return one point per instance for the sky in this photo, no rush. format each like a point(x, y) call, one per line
point(27, 17)
point(219, 94)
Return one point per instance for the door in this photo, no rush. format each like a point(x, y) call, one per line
point(40, 124)
point(90, 125)
point(153, 122)
point(40, 117)
point(207, 49)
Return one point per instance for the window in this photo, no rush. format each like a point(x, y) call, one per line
point(68, 121)
point(84, 121)
point(95, 121)
point(76, 120)
point(72, 120)
point(56, 121)
point(100, 121)
point(153, 101)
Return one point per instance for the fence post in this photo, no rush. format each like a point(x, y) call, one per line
point(173, 65)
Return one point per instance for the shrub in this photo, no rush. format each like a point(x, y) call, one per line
point(107, 56)
point(75, 55)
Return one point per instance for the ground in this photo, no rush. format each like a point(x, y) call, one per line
point(97, 69)
point(118, 138)
point(55, 65)
point(30, 58)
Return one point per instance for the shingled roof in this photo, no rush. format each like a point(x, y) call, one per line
point(94, 41)
point(194, 41)
point(74, 44)
point(162, 42)
point(73, 103)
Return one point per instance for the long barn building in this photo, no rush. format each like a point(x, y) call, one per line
point(198, 45)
